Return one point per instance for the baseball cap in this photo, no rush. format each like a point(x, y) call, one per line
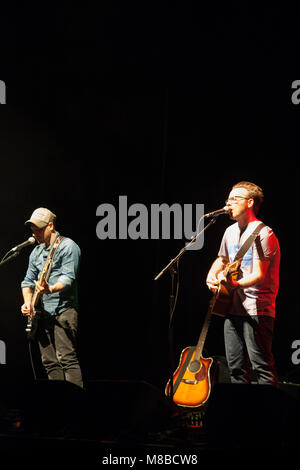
point(41, 217)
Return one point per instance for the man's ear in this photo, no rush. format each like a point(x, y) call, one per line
point(250, 203)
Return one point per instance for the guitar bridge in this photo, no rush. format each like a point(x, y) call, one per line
point(190, 382)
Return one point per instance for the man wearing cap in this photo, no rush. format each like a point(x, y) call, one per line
point(58, 320)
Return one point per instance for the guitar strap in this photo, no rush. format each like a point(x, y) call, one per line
point(183, 369)
point(245, 247)
point(52, 252)
point(50, 257)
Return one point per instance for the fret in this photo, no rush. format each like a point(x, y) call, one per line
point(202, 338)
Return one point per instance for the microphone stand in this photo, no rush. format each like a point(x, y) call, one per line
point(4, 260)
point(16, 251)
point(170, 267)
point(7, 258)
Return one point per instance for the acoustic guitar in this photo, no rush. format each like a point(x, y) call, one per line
point(191, 380)
point(222, 300)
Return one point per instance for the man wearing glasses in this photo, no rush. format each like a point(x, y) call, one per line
point(248, 327)
point(58, 317)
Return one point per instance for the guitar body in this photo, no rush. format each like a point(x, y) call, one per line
point(191, 380)
point(32, 326)
point(222, 300)
point(33, 318)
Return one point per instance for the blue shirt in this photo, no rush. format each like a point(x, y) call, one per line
point(64, 269)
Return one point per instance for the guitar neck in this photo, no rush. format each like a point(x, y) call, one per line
point(231, 269)
point(35, 298)
point(43, 277)
point(203, 334)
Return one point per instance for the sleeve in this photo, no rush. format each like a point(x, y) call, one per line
point(31, 273)
point(70, 264)
point(266, 245)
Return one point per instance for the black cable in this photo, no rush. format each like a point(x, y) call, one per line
point(31, 359)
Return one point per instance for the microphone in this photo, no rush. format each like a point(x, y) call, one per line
point(30, 241)
point(225, 210)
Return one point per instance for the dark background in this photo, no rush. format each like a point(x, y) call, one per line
point(161, 103)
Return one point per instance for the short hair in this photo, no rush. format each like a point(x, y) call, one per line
point(53, 220)
point(255, 193)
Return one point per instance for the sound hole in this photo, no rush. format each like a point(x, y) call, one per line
point(194, 366)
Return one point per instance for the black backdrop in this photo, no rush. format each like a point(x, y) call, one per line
point(161, 104)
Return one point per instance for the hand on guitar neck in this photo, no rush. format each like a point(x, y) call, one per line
point(43, 288)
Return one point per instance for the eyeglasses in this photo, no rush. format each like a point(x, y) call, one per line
point(235, 199)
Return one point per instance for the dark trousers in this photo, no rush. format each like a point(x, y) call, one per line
point(57, 339)
point(248, 342)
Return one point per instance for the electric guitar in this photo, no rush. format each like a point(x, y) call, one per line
point(191, 380)
point(32, 318)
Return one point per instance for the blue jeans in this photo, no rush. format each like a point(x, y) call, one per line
point(57, 339)
point(248, 342)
